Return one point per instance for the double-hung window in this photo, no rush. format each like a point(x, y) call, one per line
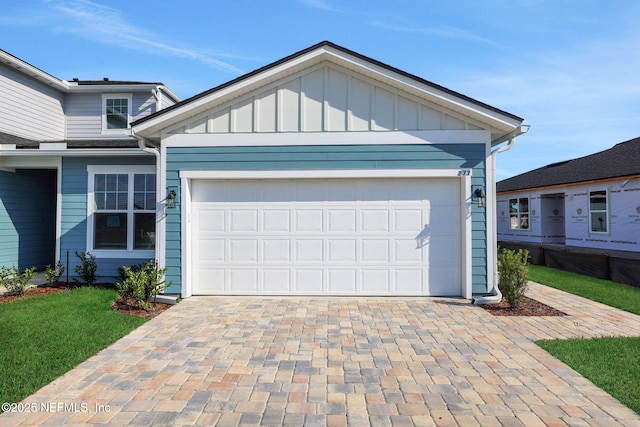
point(598, 211)
point(116, 112)
point(519, 213)
point(122, 211)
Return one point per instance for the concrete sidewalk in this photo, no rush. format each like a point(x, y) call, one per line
point(296, 361)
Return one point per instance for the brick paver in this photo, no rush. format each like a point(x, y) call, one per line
point(341, 362)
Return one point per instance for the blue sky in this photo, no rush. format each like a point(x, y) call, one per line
point(570, 68)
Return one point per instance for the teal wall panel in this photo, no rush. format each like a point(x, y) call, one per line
point(428, 156)
point(27, 218)
point(73, 236)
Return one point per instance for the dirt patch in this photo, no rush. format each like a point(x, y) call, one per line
point(31, 292)
point(529, 307)
point(129, 307)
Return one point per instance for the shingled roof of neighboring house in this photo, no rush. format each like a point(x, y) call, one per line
point(622, 159)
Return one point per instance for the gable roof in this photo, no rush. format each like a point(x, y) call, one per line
point(621, 160)
point(151, 125)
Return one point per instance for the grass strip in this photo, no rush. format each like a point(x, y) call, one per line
point(613, 364)
point(46, 336)
point(614, 294)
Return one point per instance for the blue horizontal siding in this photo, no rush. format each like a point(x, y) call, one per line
point(27, 218)
point(73, 238)
point(428, 156)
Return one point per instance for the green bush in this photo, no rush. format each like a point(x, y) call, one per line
point(16, 281)
point(513, 270)
point(87, 268)
point(142, 284)
point(52, 274)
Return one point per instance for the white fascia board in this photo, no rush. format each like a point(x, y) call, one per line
point(32, 71)
point(326, 174)
point(327, 138)
point(75, 152)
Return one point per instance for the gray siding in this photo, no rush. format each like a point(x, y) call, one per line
point(74, 212)
point(445, 156)
point(84, 113)
point(29, 108)
point(27, 218)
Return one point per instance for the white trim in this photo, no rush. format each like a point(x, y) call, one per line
point(75, 152)
point(129, 98)
point(58, 209)
point(464, 175)
point(607, 211)
point(328, 138)
point(323, 173)
point(185, 230)
point(92, 170)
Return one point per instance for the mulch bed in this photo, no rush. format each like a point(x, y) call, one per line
point(130, 308)
point(529, 307)
point(121, 306)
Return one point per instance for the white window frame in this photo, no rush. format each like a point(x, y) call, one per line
point(116, 253)
point(129, 98)
point(519, 214)
point(606, 211)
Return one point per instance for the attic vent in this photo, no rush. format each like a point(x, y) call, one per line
point(75, 79)
point(106, 79)
point(553, 165)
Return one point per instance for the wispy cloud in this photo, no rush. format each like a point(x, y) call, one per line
point(322, 5)
point(444, 31)
point(108, 25)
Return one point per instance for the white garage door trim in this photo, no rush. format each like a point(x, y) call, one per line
point(464, 176)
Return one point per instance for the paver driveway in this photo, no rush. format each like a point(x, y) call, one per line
point(338, 361)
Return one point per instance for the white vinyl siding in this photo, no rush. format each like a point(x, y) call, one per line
point(30, 109)
point(326, 99)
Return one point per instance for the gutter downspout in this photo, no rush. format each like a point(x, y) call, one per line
point(143, 147)
point(496, 295)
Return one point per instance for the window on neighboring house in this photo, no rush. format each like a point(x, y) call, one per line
point(519, 213)
point(598, 211)
point(116, 112)
point(123, 213)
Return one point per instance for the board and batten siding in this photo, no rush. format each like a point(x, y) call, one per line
point(325, 99)
point(73, 234)
point(27, 218)
point(30, 109)
point(428, 156)
point(84, 113)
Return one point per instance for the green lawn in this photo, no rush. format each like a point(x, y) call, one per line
point(617, 295)
point(612, 363)
point(43, 337)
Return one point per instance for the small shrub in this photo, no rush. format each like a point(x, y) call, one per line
point(16, 281)
point(53, 274)
point(142, 283)
point(87, 268)
point(122, 273)
point(513, 270)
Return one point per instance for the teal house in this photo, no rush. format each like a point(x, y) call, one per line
point(323, 173)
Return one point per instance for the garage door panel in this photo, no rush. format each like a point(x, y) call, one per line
point(243, 220)
point(275, 250)
point(341, 281)
point(309, 220)
point(375, 281)
point(241, 250)
point(375, 250)
point(341, 250)
point(408, 220)
point(243, 280)
point(276, 281)
point(276, 220)
point(309, 280)
point(374, 220)
point(309, 250)
point(327, 236)
point(341, 220)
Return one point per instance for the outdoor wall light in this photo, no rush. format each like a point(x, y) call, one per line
point(171, 199)
point(480, 196)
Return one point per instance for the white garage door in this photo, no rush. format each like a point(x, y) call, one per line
point(326, 237)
